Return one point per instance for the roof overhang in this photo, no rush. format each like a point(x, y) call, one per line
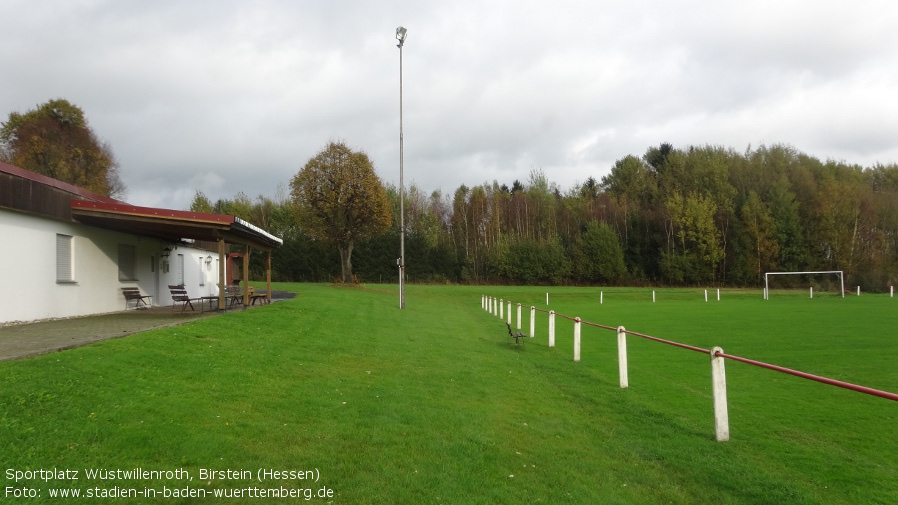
point(172, 225)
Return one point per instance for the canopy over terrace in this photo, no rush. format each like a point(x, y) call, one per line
point(176, 225)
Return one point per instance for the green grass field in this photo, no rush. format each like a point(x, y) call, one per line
point(435, 404)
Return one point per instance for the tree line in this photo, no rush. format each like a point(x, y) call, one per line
point(700, 215)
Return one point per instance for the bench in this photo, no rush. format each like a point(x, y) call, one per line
point(179, 295)
point(132, 294)
point(232, 293)
point(517, 336)
point(261, 297)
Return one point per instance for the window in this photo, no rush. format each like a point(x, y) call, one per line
point(64, 270)
point(179, 269)
point(126, 261)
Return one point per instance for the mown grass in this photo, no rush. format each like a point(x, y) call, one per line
point(433, 404)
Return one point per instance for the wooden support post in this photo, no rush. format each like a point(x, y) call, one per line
point(222, 266)
point(622, 357)
point(719, 384)
point(577, 339)
point(268, 276)
point(246, 253)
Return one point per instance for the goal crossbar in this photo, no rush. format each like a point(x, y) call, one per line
point(767, 285)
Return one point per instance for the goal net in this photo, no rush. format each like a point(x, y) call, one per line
point(827, 281)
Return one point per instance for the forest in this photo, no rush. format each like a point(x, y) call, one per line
point(700, 215)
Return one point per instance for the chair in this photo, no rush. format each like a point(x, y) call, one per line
point(179, 295)
point(517, 336)
point(132, 294)
point(232, 292)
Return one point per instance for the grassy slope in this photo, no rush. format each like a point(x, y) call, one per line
point(431, 404)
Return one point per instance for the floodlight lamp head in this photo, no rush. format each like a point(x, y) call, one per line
point(400, 36)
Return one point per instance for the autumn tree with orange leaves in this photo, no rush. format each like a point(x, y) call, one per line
point(340, 200)
point(55, 140)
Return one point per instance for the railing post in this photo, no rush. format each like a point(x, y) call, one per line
point(622, 356)
point(501, 308)
point(493, 305)
point(551, 328)
point(519, 316)
point(509, 312)
point(532, 321)
point(576, 339)
point(719, 384)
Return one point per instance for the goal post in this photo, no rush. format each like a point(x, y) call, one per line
point(767, 279)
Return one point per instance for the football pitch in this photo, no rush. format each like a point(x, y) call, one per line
point(337, 396)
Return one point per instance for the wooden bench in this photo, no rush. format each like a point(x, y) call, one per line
point(179, 295)
point(517, 336)
point(132, 294)
point(261, 297)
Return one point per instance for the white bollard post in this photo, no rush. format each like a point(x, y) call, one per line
point(509, 312)
point(501, 308)
point(719, 384)
point(653, 296)
point(495, 309)
point(519, 317)
point(891, 291)
point(622, 357)
point(551, 328)
point(812, 291)
point(532, 321)
point(718, 294)
point(706, 296)
point(576, 339)
point(547, 299)
point(601, 297)
point(859, 291)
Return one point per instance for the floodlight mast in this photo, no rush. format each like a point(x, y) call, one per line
point(400, 36)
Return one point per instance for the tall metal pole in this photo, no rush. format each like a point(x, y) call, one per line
point(400, 35)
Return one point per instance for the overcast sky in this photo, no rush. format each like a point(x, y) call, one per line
point(229, 96)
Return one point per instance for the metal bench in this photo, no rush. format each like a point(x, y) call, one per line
point(179, 295)
point(517, 336)
point(132, 294)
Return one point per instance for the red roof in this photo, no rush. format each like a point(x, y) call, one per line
point(166, 224)
point(49, 181)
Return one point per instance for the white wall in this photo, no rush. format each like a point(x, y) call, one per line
point(28, 269)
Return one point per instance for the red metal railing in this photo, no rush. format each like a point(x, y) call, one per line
point(825, 380)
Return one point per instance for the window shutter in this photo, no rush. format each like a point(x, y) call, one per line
point(64, 259)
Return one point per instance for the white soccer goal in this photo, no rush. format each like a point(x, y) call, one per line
point(838, 272)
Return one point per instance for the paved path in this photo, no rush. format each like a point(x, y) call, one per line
point(21, 340)
point(30, 339)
